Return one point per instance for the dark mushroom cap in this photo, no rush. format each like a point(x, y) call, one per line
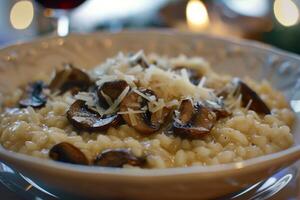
point(194, 75)
point(81, 117)
point(34, 96)
point(146, 122)
point(112, 89)
point(70, 78)
point(218, 107)
point(68, 153)
point(193, 121)
point(118, 158)
point(249, 95)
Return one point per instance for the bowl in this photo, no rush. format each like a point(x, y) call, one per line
point(21, 62)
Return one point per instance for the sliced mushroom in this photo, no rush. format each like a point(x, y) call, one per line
point(145, 122)
point(70, 78)
point(110, 91)
point(68, 153)
point(139, 58)
point(218, 108)
point(193, 121)
point(83, 118)
point(34, 96)
point(118, 158)
point(249, 96)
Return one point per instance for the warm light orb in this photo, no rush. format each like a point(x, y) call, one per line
point(253, 8)
point(196, 15)
point(21, 14)
point(286, 12)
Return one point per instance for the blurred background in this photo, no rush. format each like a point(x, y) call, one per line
point(275, 22)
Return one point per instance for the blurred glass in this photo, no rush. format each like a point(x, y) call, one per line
point(59, 9)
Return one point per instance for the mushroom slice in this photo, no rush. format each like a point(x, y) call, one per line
point(70, 78)
point(34, 96)
point(193, 121)
point(83, 118)
point(118, 158)
point(145, 122)
point(249, 96)
point(110, 91)
point(68, 153)
point(139, 58)
point(193, 74)
point(218, 108)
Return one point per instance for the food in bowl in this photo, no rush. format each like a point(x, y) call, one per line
point(146, 111)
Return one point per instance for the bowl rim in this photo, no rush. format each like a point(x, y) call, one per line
point(292, 153)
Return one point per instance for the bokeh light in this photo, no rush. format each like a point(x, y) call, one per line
point(196, 15)
point(21, 14)
point(286, 12)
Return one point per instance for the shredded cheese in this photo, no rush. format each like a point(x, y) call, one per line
point(131, 111)
point(248, 104)
point(79, 119)
point(149, 98)
point(106, 78)
point(184, 74)
point(107, 98)
point(128, 78)
point(132, 117)
point(135, 70)
point(114, 106)
point(168, 85)
point(237, 102)
point(85, 96)
point(202, 82)
point(172, 103)
point(176, 85)
point(99, 109)
point(160, 104)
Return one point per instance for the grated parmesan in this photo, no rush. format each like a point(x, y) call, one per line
point(135, 70)
point(172, 103)
point(107, 98)
point(106, 78)
point(248, 104)
point(85, 96)
point(236, 102)
point(202, 82)
point(169, 85)
point(128, 78)
point(114, 106)
point(149, 98)
point(132, 117)
point(160, 104)
point(131, 111)
point(79, 119)
point(184, 74)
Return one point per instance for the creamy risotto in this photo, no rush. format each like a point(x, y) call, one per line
point(145, 111)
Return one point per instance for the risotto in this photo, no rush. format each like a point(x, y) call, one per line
point(145, 111)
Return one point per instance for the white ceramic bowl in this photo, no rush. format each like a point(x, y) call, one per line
point(19, 63)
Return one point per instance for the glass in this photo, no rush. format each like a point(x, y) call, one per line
point(59, 9)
